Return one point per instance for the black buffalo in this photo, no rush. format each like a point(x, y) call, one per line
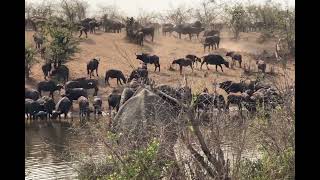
point(211, 33)
point(83, 83)
point(113, 73)
point(32, 108)
point(148, 31)
point(92, 65)
point(214, 59)
point(114, 101)
point(31, 94)
point(233, 87)
point(75, 93)
point(187, 29)
point(49, 105)
point(62, 107)
point(61, 72)
point(235, 57)
point(83, 107)
point(205, 100)
point(149, 59)
point(139, 73)
point(211, 41)
point(46, 68)
point(183, 62)
point(194, 58)
point(97, 104)
point(50, 86)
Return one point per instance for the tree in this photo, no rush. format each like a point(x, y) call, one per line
point(178, 15)
point(145, 17)
point(28, 8)
point(74, 10)
point(81, 9)
point(44, 9)
point(111, 12)
point(237, 20)
point(206, 13)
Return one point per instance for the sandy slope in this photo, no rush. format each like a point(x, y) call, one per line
point(110, 46)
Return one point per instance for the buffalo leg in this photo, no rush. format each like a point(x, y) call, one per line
point(191, 67)
point(190, 36)
point(97, 72)
point(227, 106)
point(220, 67)
point(180, 70)
point(80, 34)
point(65, 115)
point(217, 68)
point(106, 80)
point(155, 67)
point(207, 66)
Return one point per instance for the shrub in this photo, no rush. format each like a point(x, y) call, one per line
point(30, 59)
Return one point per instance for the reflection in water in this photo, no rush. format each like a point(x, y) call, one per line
point(44, 144)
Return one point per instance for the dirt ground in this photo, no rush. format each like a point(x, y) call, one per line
point(110, 46)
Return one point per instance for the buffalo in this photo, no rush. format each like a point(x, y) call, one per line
point(113, 73)
point(139, 73)
point(235, 57)
point(214, 59)
point(83, 83)
point(62, 107)
point(31, 94)
point(149, 59)
point(211, 41)
point(50, 86)
point(46, 68)
point(92, 65)
point(83, 107)
point(75, 93)
point(61, 72)
point(194, 59)
point(183, 62)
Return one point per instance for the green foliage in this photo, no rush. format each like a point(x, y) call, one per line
point(62, 45)
point(270, 166)
point(137, 164)
point(30, 59)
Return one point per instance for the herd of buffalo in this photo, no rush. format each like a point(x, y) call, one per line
point(250, 95)
point(38, 106)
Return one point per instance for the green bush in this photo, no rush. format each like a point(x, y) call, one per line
point(137, 164)
point(270, 166)
point(30, 59)
point(62, 45)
